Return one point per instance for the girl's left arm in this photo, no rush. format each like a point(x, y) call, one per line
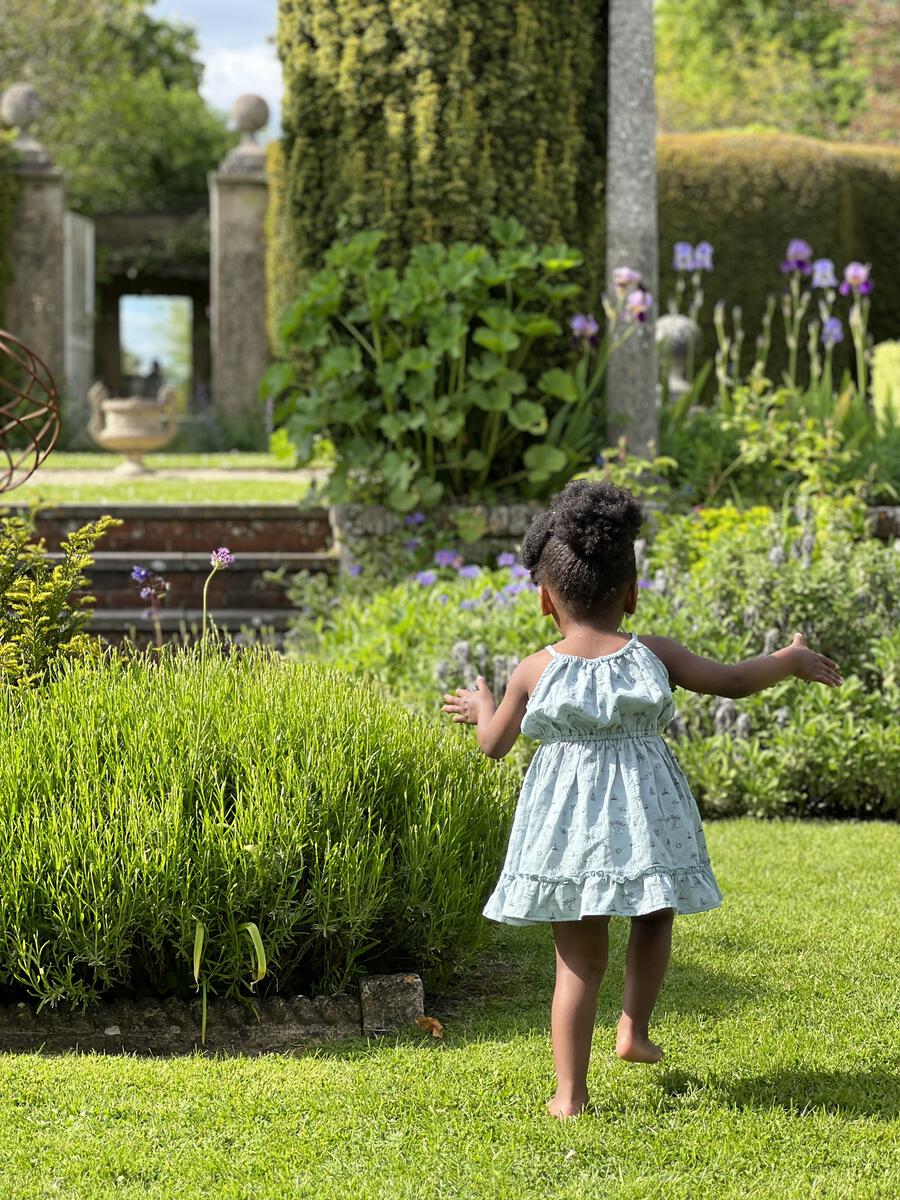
point(497, 727)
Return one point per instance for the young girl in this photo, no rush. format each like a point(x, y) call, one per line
point(605, 824)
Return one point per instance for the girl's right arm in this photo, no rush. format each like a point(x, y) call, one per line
point(713, 678)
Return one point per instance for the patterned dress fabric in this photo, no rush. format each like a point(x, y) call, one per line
point(605, 824)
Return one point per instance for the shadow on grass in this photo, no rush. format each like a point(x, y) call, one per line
point(798, 1091)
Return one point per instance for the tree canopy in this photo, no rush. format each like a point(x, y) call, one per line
point(122, 113)
point(825, 68)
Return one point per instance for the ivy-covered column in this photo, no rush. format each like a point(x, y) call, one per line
point(631, 214)
point(238, 198)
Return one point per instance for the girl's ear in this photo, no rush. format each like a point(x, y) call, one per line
point(631, 598)
point(548, 608)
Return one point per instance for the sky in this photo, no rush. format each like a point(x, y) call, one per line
point(235, 48)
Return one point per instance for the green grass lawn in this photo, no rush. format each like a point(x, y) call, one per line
point(779, 1019)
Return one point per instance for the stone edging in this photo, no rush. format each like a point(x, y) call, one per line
point(385, 1004)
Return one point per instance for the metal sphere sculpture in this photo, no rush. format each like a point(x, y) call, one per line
point(29, 412)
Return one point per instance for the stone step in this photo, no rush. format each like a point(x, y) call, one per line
point(146, 528)
point(177, 624)
point(236, 587)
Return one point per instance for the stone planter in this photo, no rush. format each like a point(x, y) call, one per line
point(132, 425)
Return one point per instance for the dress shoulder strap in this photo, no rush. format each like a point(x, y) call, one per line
point(553, 653)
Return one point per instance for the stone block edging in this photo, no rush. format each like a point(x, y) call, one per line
point(384, 1004)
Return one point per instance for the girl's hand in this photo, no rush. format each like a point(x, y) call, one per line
point(806, 664)
point(465, 706)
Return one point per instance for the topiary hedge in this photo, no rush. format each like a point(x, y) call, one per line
point(8, 194)
point(425, 118)
point(749, 194)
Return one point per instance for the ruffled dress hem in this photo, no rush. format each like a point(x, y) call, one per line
point(522, 899)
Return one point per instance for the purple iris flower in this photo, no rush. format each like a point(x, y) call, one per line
point(823, 275)
point(798, 257)
point(146, 593)
point(584, 327)
point(140, 574)
point(221, 558)
point(856, 279)
point(626, 277)
point(354, 569)
point(683, 256)
point(703, 256)
point(414, 518)
point(426, 578)
point(506, 559)
point(469, 572)
point(832, 332)
point(446, 558)
point(638, 304)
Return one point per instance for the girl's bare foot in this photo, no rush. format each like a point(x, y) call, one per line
point(563, 1109)
point(634, 1045)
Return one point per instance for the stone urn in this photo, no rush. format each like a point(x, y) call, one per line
point(678, 338)
point(132, 425)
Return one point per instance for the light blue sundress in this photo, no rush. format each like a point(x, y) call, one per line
point(605, 824)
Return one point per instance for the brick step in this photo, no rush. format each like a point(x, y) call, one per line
point(117, 624)
point(146, 528)
point(236, 587)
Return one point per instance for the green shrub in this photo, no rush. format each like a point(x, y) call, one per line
point(349, 833)
point(426, 118)
point(42, 607)
point(749, 194)
point(435, 383)
point(727, 584)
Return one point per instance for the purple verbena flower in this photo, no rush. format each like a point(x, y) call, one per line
point(683, 256)
point(426, 578)
point(412, 544)
point(626, 277)
point(703, 256)
point(446, 558)
point(513, 589)
point(140, 574)
point(414, 518)
point(520, 572)
point(823, 273)
point(506, 559)
point(221, 558)
point(584, 327)
point(354, 569)
point(468, 605)
point(798, 257)
point(468, 572)
point(646, 583)
point(856, 279)
point(146, 593)
point(832, 332)
point(638, 303)
point(443, 598)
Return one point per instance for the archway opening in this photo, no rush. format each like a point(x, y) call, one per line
point(156, 345)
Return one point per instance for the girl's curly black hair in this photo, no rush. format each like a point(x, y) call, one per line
point(582, 545)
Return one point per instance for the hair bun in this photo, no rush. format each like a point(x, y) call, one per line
point(596, 520)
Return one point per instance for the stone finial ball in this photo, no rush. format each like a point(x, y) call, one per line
point(250, 113)
point(20, 106)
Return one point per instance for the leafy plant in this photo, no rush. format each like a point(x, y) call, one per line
point(42, 606)
point(439, 382)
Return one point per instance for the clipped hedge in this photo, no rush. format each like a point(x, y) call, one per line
point(9, 186)
point(749, 194)
point(349, 833)
point(426, 118)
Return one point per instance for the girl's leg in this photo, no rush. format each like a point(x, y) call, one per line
point(646, 961)
point(581, 953)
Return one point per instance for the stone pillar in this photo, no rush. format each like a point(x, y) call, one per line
point(632, 238)
point(239, 196)
point(35, 307)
